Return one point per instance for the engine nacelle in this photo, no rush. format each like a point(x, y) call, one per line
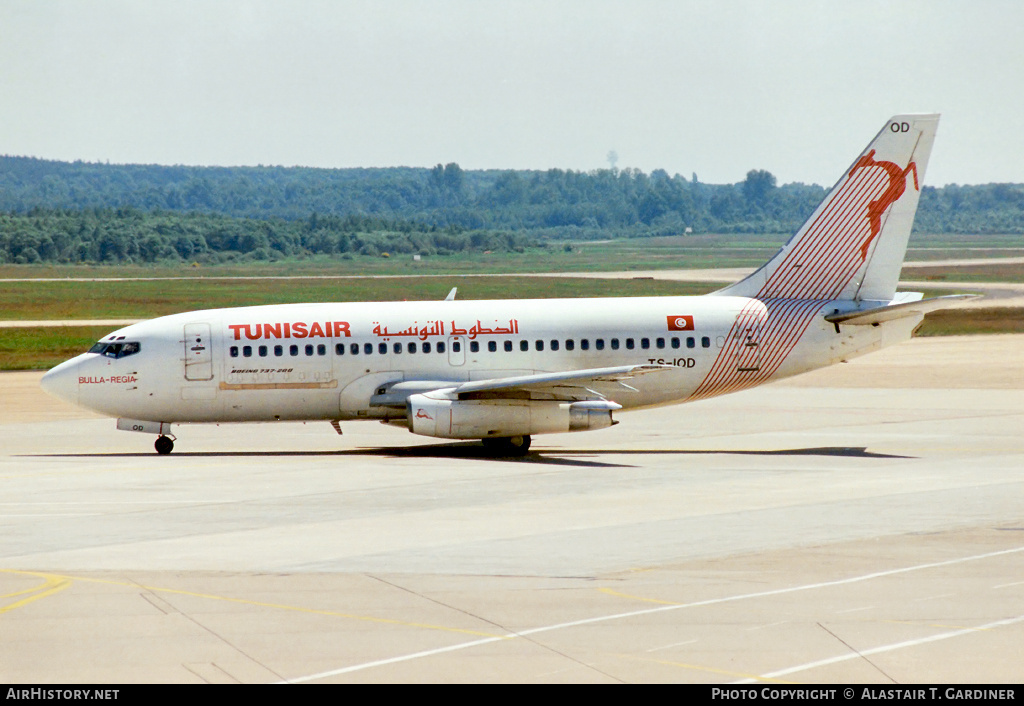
point(481, 419)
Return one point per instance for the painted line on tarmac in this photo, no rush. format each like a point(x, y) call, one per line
point(671, 607)
point(879, 650)
point(61, 582)
point(50, 586)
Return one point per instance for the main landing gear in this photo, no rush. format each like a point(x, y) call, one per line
point(164, 445)
point(508, 445)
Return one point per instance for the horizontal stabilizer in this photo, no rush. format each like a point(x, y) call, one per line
point(891, 312)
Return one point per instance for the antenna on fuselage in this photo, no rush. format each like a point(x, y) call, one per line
point(451, 295)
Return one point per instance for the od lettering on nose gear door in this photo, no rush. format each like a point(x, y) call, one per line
point(198, 352)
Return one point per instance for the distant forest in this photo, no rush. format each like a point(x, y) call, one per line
point(85, 212)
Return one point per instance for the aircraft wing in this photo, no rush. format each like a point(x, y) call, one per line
point(572, 386)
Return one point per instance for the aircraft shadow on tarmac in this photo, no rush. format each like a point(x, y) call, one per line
point(474, 451)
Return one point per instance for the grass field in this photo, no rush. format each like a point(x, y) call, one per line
point(42, 348)
point(143, 299)
point(1011, 272)
point(957, 322)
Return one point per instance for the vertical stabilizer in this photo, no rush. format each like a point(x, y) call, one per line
point(852, 246)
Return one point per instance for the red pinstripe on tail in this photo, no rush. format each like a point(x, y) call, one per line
point(851, 249)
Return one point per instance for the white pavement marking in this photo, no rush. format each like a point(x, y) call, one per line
point(697, 604)
point(884, 648)
point(674, 644)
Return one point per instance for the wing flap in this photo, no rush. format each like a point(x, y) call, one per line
point(553, 382)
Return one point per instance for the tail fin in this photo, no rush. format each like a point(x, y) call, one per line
point(852, 247)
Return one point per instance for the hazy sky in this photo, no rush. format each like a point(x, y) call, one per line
point(718, 88)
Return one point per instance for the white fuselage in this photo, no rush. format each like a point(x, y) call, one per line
point(326, 361)
point(501, 371)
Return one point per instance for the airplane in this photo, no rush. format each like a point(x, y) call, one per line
point(504, 371)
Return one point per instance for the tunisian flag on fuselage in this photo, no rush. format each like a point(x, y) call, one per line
point(680, 323)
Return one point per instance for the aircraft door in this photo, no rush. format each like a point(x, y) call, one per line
point(456, 350)
point(198, 352)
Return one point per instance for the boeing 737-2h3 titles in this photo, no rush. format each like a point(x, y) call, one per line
point(502, 371)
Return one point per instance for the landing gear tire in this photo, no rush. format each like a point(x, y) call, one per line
point(164, 445)
point(508, 445)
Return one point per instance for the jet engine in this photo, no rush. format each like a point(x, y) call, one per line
point(486, 418)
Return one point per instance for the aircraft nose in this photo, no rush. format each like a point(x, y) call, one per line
point(62, 381)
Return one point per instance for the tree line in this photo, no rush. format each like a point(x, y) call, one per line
point(128, 235)
point(97, 212)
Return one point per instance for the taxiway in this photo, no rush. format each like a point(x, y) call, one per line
point(863, 523)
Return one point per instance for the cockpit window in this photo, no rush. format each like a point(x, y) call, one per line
point(116, 350)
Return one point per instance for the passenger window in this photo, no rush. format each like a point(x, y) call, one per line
point(263, 351)
point(247, 351)
point(584, 344)
point(539, 345)
point(615, 344)
point(440, 346)
point(382, 348)
point(354, 349)
point(368, 348)
point(234, 351)
point(554, 345)
point(397, 348)
point(645, 343)
point(456, 347)
point(705, 342)
point(524, 346)
point(293, 350)
point(508, 346)
point(599, 344)
point(691, 342)
point(426, 346)
point(279, 351)
point(492, 346)
point(660, 343)
point(570, 344)
point(309, 349)
point(339, 348)
point(474, 346)
point(321, 349)
point(412, 347)
point(675, 341)
point(630, 344)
